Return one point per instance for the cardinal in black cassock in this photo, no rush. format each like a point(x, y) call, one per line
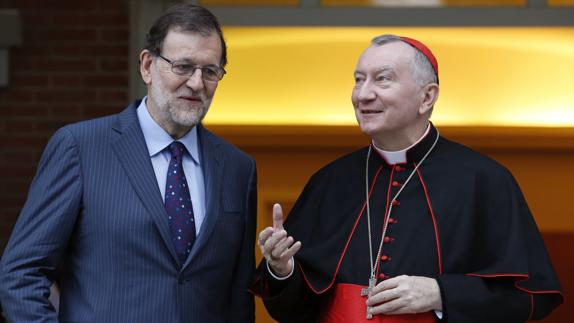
point(435, 209)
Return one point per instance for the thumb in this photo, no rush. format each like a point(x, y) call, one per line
point(277, 217)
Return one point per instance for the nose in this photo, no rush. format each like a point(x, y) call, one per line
point(195, 81)
point(364, 92)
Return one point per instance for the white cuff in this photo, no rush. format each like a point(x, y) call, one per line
point(438, 314)
point(284, 277)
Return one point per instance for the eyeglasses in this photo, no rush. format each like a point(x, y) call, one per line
point(209, 73)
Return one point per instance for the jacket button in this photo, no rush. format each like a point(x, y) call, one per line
point(399, 168)
point(395, 184)
point(395, 203)
point(382, 276)
point(392, 221)
point(385, 258)
point(388, 239)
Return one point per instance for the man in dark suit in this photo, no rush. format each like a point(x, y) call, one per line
point(143, 216)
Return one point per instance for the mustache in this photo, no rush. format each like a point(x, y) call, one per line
point(196, 94)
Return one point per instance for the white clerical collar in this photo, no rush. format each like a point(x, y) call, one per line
point(400, 156)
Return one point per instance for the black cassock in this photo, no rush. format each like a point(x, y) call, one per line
point(461, 219)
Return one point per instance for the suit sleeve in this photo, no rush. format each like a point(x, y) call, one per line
point(40, 236)
point(242, 307)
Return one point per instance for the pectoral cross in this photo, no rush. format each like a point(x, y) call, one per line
point(366, 291)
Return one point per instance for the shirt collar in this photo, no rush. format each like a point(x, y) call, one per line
point(157, 139)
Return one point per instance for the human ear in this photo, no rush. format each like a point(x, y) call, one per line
point(146, 59)
point(430, 95)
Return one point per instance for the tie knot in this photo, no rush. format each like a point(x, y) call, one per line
point(176, 149)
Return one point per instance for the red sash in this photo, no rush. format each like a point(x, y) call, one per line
point(347, 305)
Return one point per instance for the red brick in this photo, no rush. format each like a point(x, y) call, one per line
point(19, 126)
point(91, 50)
point(66, 80)
point(17, 158)
point(95, 111)
point(12, 156)
point(63, 5)
point(8, 218)
point(27, 173)
point(114, 34)
point(13, 201)
point(64, 41)
point(107, 19)
point(9, 141)
point(114, 5)
point(113, 96)
point(74, 65)
point(5, 232)
point(67, 49)
point(9, 212)
point(25, 109)
point(23, 80)
point(66, 35)
point(28, 52)
point(67, 19)
point(120, 65)
point(17, 95)
point(106, 81)
point(103, 50)
point(17, 184)
point(49, 127)
point(9, 215)
point(66, 95)
point(35, 19)
point(16, 171)
point(72, 111)
point(22, 64)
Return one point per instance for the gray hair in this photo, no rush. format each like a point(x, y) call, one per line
point(422, 70)
point(187, 18)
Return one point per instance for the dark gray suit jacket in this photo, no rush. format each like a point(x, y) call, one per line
point(94, 222)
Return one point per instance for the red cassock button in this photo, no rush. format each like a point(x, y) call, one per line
point(395, 184)
point(382, 276)
point(392, 221)
point(385, 258)
point(399, 168)
point(395, 203)
point(388, 239)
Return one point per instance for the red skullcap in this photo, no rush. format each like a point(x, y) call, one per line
point(425, 50)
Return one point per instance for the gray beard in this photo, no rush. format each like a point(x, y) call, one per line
point(185, 117)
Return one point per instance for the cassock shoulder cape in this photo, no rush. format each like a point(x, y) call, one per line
point(461, 219)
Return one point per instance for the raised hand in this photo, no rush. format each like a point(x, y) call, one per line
point(405, 295)
point(277, 246)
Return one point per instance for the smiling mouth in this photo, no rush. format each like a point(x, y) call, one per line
point(191, 98)
point(371, 111)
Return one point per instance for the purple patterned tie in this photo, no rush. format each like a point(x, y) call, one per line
point(178, 204)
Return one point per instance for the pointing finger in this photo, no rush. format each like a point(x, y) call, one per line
point(277, 217)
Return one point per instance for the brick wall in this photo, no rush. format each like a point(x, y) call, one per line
point(72, 65)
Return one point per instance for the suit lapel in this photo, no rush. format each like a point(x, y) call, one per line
point(132, 152)
point(212, 161)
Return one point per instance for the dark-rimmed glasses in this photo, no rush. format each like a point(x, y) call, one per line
point(209, 73)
